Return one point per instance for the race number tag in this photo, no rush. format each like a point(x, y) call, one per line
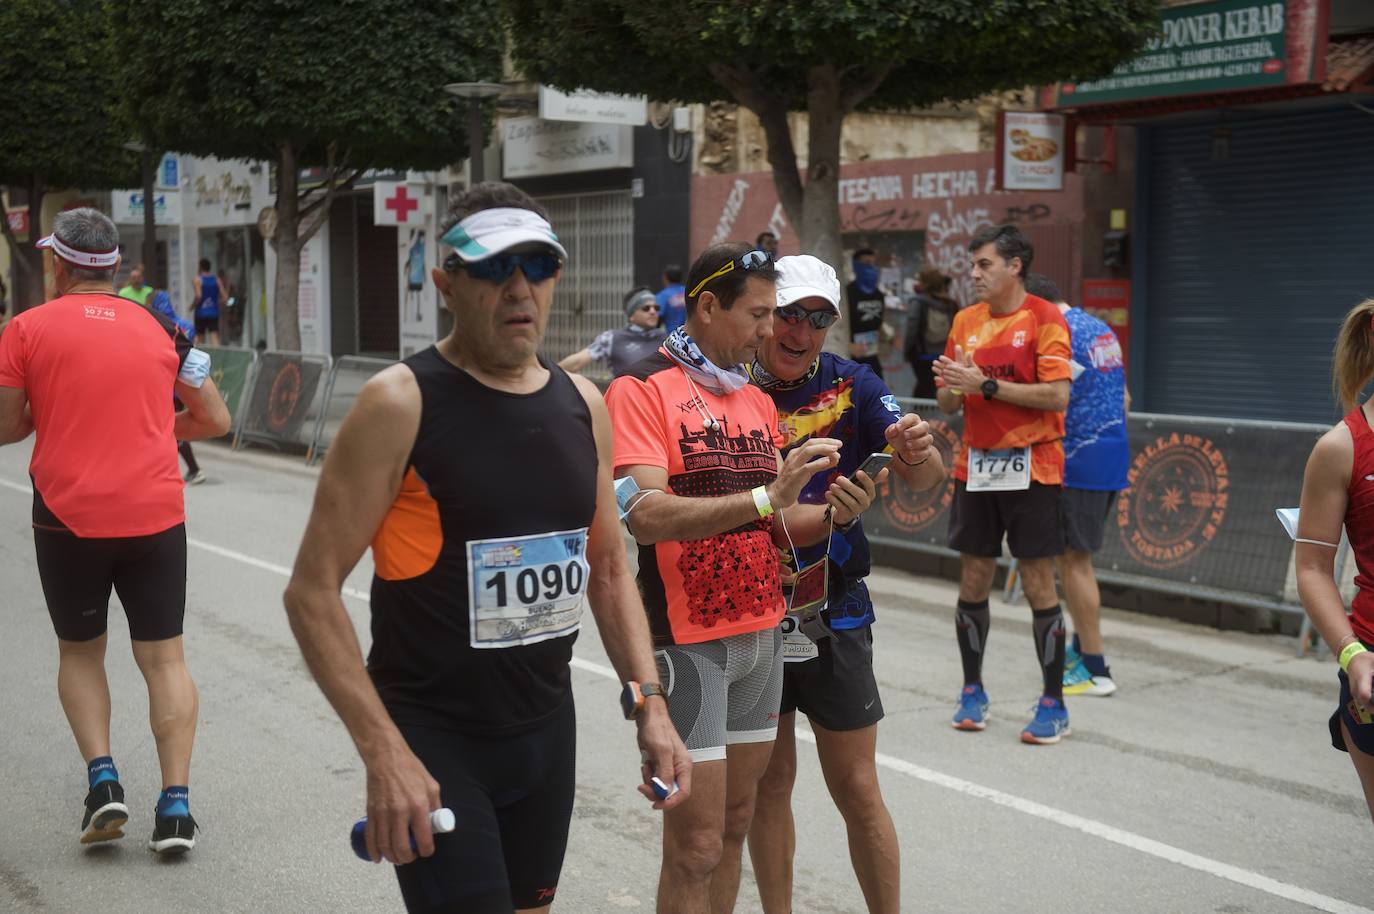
point(806, 597)
point(796, 646)
point(526, 589)
point(1003, 470)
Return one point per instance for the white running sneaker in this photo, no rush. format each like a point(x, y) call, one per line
point(1098, 686)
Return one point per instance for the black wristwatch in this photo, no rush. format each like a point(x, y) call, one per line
point(633, 695)
point(990, 388)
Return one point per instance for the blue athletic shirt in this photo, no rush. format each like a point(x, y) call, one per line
point(208, 306)
point(672, 306)
point(845, 400)
point(1097, 451)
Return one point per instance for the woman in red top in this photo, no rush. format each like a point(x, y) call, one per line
point(1338, 489)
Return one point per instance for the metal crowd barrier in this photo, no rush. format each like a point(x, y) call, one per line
point(346, 380)
point(231, 368)
point(284, 399)
point(1197, 520)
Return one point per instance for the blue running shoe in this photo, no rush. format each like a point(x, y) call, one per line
point(972, 713)
point(1077, 679)
point(1051, 722)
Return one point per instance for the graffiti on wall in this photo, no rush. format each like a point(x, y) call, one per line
point(943, 199)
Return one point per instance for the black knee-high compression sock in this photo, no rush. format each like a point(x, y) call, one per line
point(1048, 627)
point(971, 623)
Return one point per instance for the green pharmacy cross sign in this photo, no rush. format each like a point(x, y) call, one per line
point(1200, 49)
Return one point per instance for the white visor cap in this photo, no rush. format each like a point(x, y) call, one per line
point(96, 260)
point(803, 276)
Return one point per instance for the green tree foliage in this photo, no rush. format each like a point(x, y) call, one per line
point(343, 85)
point(61, 125)
point(825, 57)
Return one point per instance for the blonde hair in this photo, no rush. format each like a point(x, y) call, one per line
point(1352, 362)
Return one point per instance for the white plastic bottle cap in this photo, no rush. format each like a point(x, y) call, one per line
point(442, 821)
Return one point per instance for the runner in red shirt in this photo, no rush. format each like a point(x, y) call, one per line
point(1007, 366)
point(93, 375)
point(1338, 489)
point(701, 444)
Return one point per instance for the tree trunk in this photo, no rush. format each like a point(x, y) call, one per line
point(286, 241)
point(819, 229)
point(297, 222)
point(782, 158)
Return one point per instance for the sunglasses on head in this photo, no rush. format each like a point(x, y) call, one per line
point(754, 260)
point(536, 265)
point(795, 314)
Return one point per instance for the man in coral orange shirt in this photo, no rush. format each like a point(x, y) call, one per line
point(108, 510)
point(1007, 366)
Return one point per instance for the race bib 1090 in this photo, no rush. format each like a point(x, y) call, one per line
point(526, 589)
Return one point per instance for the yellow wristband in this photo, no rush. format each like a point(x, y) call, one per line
point(762, 501)
point(1349, 653)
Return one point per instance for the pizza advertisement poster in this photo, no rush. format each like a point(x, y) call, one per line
point(1031, 150)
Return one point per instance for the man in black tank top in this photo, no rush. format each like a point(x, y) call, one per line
point(482, 559)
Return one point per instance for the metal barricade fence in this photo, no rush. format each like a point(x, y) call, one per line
point(346, 380)
point(231, 368)
point(1197, 519)
point(283, 402)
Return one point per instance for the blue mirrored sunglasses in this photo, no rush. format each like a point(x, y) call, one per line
point(536, 265)
point(795, 314)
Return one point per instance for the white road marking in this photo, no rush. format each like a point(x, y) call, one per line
point(1139, 843)
point(222, 552)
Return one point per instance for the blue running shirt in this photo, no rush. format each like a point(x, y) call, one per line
point(1097, 451)
point(845, 400)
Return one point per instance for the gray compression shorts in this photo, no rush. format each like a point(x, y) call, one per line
point(725, 691)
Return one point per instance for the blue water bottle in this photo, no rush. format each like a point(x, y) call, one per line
point(441, 821)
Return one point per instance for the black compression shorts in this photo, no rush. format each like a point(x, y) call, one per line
point(512, 798)
point(148, 573)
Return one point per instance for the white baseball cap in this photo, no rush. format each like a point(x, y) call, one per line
point(803, 276)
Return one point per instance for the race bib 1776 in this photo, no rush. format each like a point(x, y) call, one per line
point(526, 589)
point(1002, 470)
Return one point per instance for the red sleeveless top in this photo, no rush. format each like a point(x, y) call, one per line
point(1359, 523)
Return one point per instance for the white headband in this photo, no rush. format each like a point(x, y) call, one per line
point(491, 231)
point(98, 260)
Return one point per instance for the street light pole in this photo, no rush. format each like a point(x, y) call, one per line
point(150, 277)
point(475, 93)
point(150, 274)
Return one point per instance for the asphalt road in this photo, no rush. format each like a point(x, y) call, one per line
point(1206, 784)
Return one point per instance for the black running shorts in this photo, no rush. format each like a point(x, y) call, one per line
point(1029, 520)
point(148, 573)
point(836, 689)
point(1085, 513)
point(513, 798)
point(1361, 732)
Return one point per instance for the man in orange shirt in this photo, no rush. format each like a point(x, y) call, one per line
point(92, 375)
point(1007, 366)
point(701, 444)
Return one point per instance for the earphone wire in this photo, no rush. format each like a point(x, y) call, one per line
point(708, 419)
